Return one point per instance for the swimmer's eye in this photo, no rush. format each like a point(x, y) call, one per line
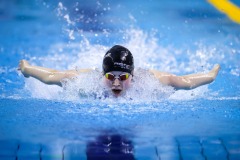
point(122, 77)
point(109, 76)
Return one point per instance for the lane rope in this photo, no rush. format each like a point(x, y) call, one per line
point(228, 8)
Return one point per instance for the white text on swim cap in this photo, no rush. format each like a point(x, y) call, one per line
point(122, 65)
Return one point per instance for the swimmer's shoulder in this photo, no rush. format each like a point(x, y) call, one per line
point(154, 72)
point(79, 71)
point(163, 77)
point(76, 72)
point(158, 73)
point(84, 70)
point(94, 71)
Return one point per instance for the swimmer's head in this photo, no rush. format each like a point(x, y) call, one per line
point(118, 58)
point(118, 68)
point(118, 81)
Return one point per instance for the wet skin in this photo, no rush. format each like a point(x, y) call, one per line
point(116, 85)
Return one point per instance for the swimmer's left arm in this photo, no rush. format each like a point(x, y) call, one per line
point(190, 81)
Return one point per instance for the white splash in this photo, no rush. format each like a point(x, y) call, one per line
point(41, 91)
point(62, 13)
point(60, 9)
point(147, 54)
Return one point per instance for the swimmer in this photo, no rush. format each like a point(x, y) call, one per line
point(118, 71)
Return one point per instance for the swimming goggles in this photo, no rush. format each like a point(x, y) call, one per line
point(112, 77)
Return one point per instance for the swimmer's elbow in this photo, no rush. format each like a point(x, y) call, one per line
point(188, 84)
point(57, 77)
point(180, 83)
point(52, 79)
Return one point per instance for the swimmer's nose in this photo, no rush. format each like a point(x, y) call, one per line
point(116, 82)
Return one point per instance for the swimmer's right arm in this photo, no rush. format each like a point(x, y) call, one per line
point(47, 75)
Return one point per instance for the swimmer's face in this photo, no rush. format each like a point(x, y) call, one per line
point(117, 81)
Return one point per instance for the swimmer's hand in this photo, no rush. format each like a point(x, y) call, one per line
point(23, 65)
point(214, 71)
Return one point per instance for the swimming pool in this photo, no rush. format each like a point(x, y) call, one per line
point(46, 122)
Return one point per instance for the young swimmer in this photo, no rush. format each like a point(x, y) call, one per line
point(118, 70)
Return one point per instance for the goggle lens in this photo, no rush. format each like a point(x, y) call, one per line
point(122, 77)
point(109, 76)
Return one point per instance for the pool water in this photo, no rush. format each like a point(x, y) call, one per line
point(150, 121)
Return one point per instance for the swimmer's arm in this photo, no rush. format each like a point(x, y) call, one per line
point(47, 75)
point(190, 81)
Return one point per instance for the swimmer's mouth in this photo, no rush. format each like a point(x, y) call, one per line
point(117, 91)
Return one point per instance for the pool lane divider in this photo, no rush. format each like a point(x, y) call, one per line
point(228, 8)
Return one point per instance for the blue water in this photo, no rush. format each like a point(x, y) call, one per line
point(178, 37)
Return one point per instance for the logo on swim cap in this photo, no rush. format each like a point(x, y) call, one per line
point(118, 58)
point(124, 55)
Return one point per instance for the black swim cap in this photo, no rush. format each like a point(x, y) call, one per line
point(118, 58)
